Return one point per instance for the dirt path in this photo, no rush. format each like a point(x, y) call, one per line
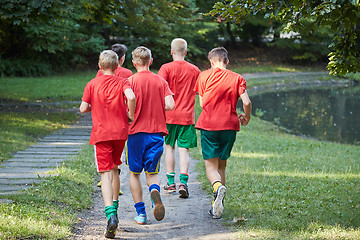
point(184, 218)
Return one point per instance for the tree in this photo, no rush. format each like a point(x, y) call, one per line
point(342, 16)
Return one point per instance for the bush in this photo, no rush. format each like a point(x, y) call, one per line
point(24, 68)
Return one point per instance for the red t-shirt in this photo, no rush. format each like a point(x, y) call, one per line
point(150, 92)
point(220, 91)
point(106, 96)
point(119, 72)
point(181, 77)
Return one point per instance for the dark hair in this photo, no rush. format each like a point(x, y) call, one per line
point(120, 49)
point(219, 54)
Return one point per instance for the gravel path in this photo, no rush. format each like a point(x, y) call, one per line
point(184, 218)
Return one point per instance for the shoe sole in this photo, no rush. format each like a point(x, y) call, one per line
point(218, 206)
point(159, 209)
point(110, 233)
point(183, 193)
point(140, 223)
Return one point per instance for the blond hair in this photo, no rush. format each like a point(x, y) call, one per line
point(108, 59)
point(179, 46)
point(219, 54)
point(141, 55)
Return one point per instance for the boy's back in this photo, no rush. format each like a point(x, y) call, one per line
point(150, 91)
point(181, 77)
point(220, 90)
point(106, 96)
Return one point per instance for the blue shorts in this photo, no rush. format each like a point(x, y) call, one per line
point(144, 152)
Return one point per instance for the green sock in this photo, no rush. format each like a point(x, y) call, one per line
point(110, 210)
point(170, 178)
point(184, 178)
point(116, 204)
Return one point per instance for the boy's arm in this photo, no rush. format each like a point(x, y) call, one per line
point(169, 103)
point(84, 107)
point(245, 118)
point(131, 102)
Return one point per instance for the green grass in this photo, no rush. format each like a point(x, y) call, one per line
point(56, 88)
point(289, 187)
point(40, 213)
point(19, 130)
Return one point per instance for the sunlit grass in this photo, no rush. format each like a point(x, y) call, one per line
point(48, 209)
point(68, 87)
point(19, 130)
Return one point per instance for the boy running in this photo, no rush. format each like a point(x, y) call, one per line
point(107, 95)
point(219, 91)
point(145, 143)
point(180, 122)
point(120, 50)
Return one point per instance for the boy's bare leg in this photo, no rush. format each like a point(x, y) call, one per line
point(169, 158)
point(116, 183)
point(184, 160)
point(152, 179)
point(135, 187)
point(106, 187)
point(221, 170)
point(212, 170)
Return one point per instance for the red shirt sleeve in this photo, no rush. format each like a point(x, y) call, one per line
point(167, 89)
point(99, 73)
point(87, 94)
point(242, 85)
point(163, 73)
point(126, 84)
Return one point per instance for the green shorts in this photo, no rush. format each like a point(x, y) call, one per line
point(217, 143)
point(185, 135)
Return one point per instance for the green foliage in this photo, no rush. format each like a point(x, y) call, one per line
point(24, 67)
point(39, 213)
point(50, 32)
point(343, 17)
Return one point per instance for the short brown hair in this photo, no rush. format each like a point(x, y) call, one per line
point(179, 46)
point(141, 55)
point(108, 59)
point(218, 54)
point(120, 49)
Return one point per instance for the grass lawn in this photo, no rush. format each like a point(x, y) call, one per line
point(19, 130)
point(40, 213)
point(287, 187)
point(52, 88)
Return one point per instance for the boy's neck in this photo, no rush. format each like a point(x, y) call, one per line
point(178, 57)
point(219, 65)
point(142, 68)
point(107, 72)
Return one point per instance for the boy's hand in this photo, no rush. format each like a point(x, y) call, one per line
point(130, 118)
point(244, 120)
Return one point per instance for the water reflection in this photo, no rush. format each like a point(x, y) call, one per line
point(330, 114)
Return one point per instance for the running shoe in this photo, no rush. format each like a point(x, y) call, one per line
point(159, 209)
point(183, 191)
point(170, 188)
point(141, 219)
point(218, 205)
point(111, 226)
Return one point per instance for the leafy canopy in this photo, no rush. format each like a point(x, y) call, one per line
point(342, 16)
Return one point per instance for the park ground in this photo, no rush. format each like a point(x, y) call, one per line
point(280, 186)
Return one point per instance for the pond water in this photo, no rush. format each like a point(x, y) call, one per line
point(331, 114)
